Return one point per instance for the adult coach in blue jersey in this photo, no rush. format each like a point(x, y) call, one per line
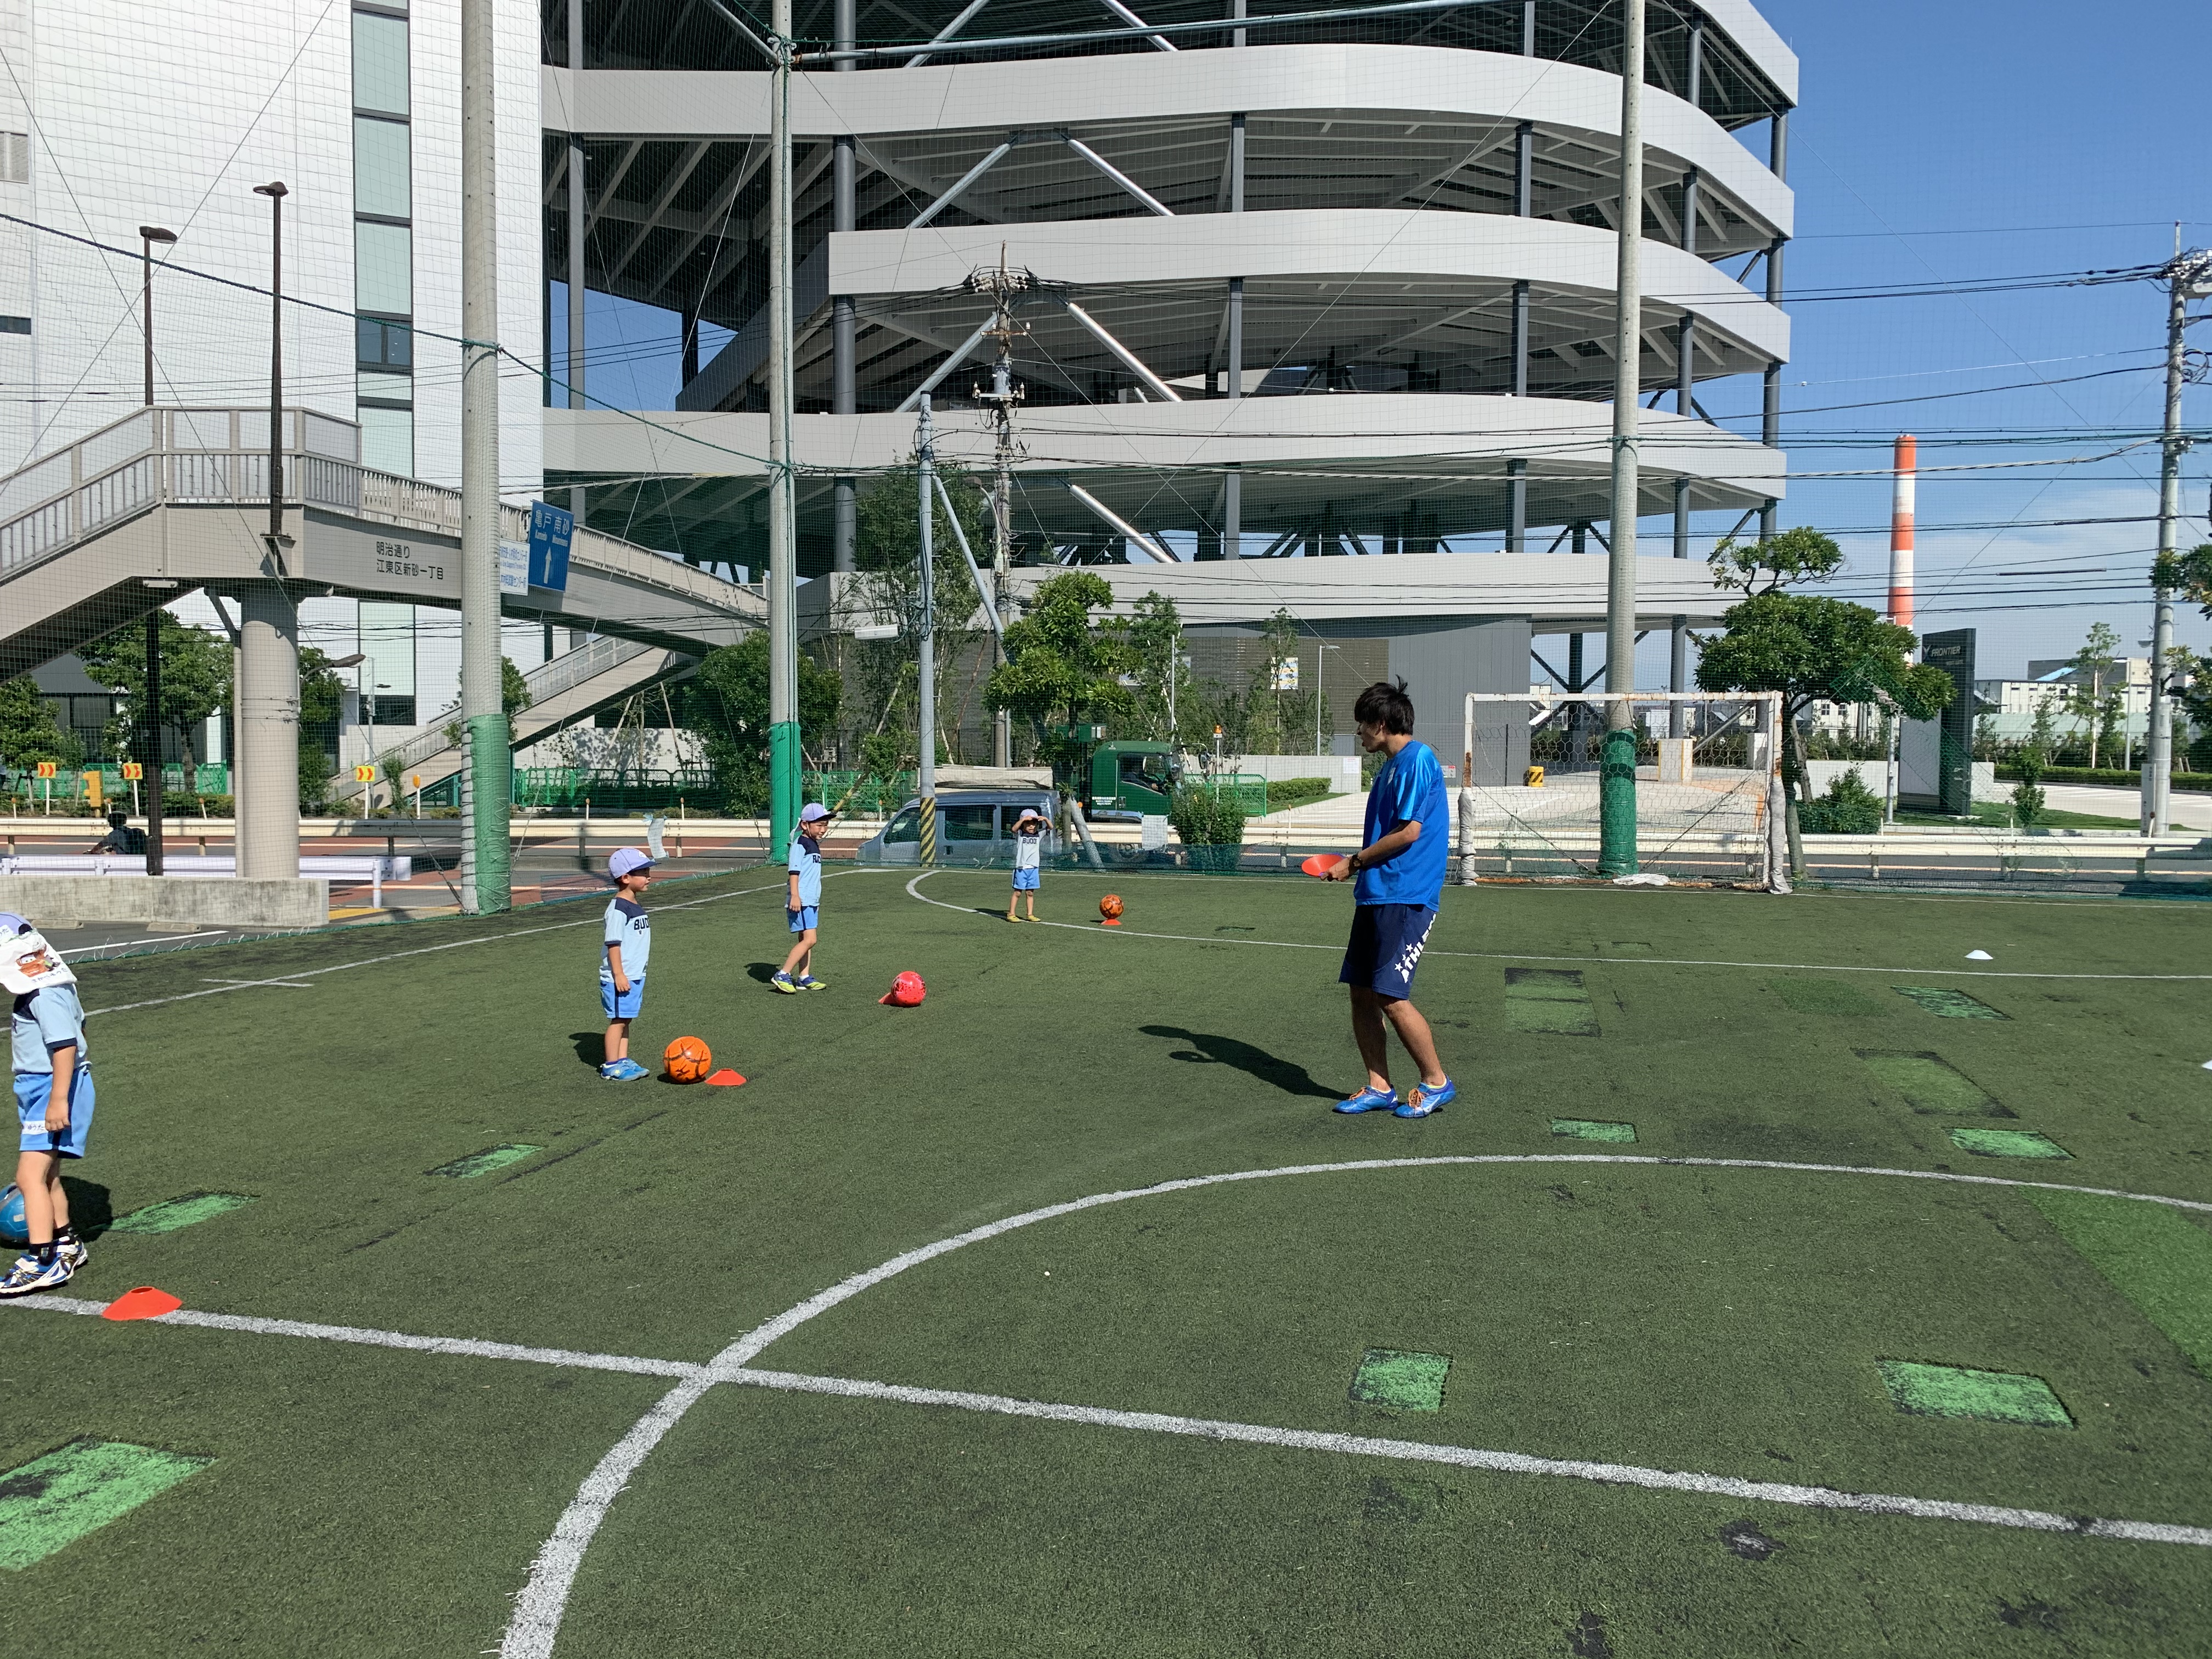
point(1398, 876)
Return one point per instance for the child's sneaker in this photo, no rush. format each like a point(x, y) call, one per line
point(811, 983)
point(782, 981)
point(624, 1070)
point(29, 1274)
point(71, 1250)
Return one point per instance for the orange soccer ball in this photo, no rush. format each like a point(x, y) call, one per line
point(1110, 906)
point(688, 1060)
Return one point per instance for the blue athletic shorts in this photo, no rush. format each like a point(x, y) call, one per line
point(626, 1006)
point(32, 1091)
point(1387, 940)
point(1028, 881)
point(803, 918)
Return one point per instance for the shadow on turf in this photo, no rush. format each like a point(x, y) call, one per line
point(1206, 1050)
point(89, 1210)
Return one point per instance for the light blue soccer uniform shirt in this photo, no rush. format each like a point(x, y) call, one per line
point(1028, 860)
point(41, 1022)
point(628, 926)
point(806, 863)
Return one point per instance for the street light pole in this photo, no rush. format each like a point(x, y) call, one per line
point(148, 236)
point(1617, 773)
point(487, 796)
point(784, 751)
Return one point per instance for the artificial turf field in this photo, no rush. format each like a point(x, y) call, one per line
point(2033, 1357)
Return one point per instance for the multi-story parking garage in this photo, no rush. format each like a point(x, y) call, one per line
point(1342, 286)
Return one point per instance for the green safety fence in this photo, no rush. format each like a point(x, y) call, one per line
point(850, 793)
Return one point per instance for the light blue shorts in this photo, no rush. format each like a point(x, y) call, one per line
point(626, 1006)
point(32, 1091)
point(803, 918)
point(1027, 881)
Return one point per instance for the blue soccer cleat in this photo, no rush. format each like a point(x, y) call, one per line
point(29, 1274)
point(1424, 1100)
point(1368, 1100)
point(783, 983)
point(811, 983)
point(624, 1070)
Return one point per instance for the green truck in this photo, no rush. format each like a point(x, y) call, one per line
point(1129, 779)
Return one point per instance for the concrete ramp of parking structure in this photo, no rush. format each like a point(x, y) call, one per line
point(180, 496)
point(561, 692)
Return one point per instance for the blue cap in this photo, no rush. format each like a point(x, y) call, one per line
point(11, 924)
point(627, 859)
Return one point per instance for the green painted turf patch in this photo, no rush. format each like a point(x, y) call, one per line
point(1947, 1004)
point(1823, 996)
point(1409, 1381)
point(484, 1163)
point(55, 1500)
point(1931, 1085)
point(1582, 1128)
point(2153, 1256)
point(171, 1213)
point(1548, 1000)
point(1956, 1391)
point(2007, 1143)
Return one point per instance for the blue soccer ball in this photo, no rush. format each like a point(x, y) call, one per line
point(14, 1230)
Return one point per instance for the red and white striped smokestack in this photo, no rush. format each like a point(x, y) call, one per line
point(1900, 532)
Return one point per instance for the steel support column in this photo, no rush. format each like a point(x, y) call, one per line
point(844, 396)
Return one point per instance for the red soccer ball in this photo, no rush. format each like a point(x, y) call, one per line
point(907, 991)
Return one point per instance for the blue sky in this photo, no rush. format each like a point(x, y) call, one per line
point(1942, 144)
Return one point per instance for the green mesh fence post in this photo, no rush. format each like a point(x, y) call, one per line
point(784, 759)
point(1616, 804)
point(491, 776)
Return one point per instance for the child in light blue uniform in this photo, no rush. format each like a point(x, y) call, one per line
point(803, 901)
point(627, 947)
point(1028, 861)
point(54, 1102)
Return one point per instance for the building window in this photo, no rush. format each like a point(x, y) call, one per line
point(15, 325)
point(14, 158)
point(381, 183)
point(379, 64)
point(385, 346)
point(387, 440)
point(383, 268)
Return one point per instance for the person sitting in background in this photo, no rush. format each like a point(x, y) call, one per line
point(120, 836)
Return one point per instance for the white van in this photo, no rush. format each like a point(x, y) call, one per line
point(973, 826)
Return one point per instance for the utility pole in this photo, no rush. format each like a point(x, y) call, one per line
point(148, 236)
point(487, 789)
point(2189, 277)
point(784, 757)
point(1617, 771)
point(268, 772)
point(1002, 285)
point(150, 754)
point(924, 480)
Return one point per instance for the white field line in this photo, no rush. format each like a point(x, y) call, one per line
point(543, 1597)
point(125, 944)
point(422, 950)
point(1609, 961)
point(1504, 1462)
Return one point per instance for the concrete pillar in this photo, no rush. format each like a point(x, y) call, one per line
point(844, 320)
point(268, 771)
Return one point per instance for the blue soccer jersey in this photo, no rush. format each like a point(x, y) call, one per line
point(1409, 788)
point(43, 1021)
point(628, 926)
point(807, 864)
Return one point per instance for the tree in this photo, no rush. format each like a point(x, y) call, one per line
point(727, 705)
point(1063, 669)
point(1168, 706)
point(29, 731)
point(1279, 718)
point(1808, 646)
point(1797, 555)
point(322, 704)
point(195, 678)
point(887, 589)
point(2086, 700)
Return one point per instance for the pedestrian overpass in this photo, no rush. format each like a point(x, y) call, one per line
point(94, 536)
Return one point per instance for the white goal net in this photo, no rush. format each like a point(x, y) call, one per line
point(1707, 790)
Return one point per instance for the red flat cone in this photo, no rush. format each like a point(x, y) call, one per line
point(141, 1302)
point(1321, 863)
point(725, 1079)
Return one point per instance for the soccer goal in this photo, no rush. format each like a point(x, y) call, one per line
point(1707, 788)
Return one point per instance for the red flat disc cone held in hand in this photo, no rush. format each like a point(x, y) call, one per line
point(1321, 863)
point(141, 1302)
point(725, 1079)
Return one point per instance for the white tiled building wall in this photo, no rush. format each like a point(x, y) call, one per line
point(167, 114)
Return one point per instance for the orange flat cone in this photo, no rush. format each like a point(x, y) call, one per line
point(141, 1302)
point(726, 1079)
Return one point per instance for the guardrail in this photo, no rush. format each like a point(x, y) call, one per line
point(203, 867)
